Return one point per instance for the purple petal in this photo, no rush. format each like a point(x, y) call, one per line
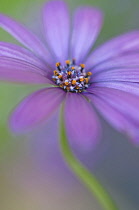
point(26, 37)
point(117, 119)
point(14, 51)
point(126, 102)
point(129, 60)
point(115, 47)
point(120, 75)
point(86, 27)
point(81, 122)
point(15, 70)
point(119, 108)
point(56, 26)
point(36, 108)
point(129, 87)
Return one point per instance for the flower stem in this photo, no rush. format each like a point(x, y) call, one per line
point(82, 173)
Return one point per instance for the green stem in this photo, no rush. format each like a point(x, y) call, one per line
point(82, 173)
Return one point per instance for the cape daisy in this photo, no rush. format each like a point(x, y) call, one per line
point(107, 78)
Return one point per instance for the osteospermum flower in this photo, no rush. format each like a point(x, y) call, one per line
point(107, 78)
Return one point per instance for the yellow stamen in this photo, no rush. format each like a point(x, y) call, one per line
point(81, 79)
point(69, 72)
point(55, 72)
point(67, 88)
point(58, 64)
point(67, 62)
point(82, 65)
point(66, 83)
point(61, 85)
point(73, 82)
point(86, 80)
point(60, 76)
point(77, 87)
point(73, 68)
point(89, 73)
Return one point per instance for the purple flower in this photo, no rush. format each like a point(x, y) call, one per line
point(107, 78)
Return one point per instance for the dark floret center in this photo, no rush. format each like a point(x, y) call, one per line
point(71, 77)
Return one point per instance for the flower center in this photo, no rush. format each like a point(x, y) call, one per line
point(71, 77)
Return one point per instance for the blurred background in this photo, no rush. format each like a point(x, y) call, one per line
point(33, 175)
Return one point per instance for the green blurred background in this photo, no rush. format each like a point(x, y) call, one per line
point(23, 184)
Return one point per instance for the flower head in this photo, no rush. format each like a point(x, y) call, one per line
point(71, 78)
point(108, 78)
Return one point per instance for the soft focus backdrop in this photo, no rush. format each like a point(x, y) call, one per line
point(33, 175)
